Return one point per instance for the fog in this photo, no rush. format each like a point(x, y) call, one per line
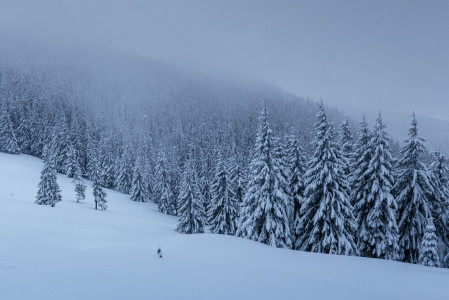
point(362, 55)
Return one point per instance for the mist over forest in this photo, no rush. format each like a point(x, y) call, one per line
point(154, 149)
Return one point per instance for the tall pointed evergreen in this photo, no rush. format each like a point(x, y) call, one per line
point(80, 186)
point(191, 208)
point(327, 222)
point(224, 208)
point(376, 212)
point(296, 165)
point(98, 192)
point(346, 145)
point(361, 160)
point(205, 189)
point(162, 189)
point(48, 188)
point(138, 186)
point(59, 144)
point(428, 251)
point(8, 140)
point(412, 191)
point(440, 203)
point(265, 214)
point(236, 175)
point(99, 196)
point(72, 160)
point(106, 161)
point(124, 172)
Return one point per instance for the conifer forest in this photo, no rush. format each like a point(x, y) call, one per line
point(210, 149)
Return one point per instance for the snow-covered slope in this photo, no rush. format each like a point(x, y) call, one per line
point(74, 252)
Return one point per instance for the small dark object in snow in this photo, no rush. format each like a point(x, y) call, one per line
point(159, 252)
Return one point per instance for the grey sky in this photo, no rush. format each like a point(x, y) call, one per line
point(378, 54)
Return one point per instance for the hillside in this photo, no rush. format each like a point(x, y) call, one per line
point(134, 96)
point(74, 252)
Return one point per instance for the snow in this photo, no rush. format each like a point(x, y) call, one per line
point(72, 251)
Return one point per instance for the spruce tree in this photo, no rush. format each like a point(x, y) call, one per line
point(346, 146)
point(440, 202)
point(296, 166)
point(376, 213)
point(205, 189)
point(99, 196)
point(8, 140)
point(80, 186)
point(59, 144)
point(147, 169)
point(282, 172)
point(265, 213)
point(327, 222)
point(98, 192)
point(236, 175)
point(48, 188)
point(428, 251)
point(412, 191)
point(124, 172)
point(72, 160)
point(224, 208)
point(361, 161)
point(191, 208)
point(106, 161)
point(138, 186)
point(162, 189)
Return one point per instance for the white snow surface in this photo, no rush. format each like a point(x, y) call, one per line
point(72, 251)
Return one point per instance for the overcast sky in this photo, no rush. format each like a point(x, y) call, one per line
point(378, 54)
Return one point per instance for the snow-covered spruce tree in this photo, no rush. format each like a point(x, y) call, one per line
point(24, 132)
point(361, 161)
point(264, 213)
point(428, 251)
point(281, 169)
point(175, 174)
point(8, 140)
point(99, 196)
point(412, 191)
point(204, 184)
point(440, 202)
point(223, 210)
point(59, 144)
point(80, 186)
point(191, 208)
point(94, 166)
point(48, 188)
point(78, 138)
point(346, 140)
point(376, 213)
point(148, 177)
point(236, 175)
point(162, 188)
point(138, 185)
point(39, 132)
point(72, 160)
point(124, 172)
point(327, 222)
point(99, 193)
point(107, 171)
point(296, 169)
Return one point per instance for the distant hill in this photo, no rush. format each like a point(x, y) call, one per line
point(131, 94)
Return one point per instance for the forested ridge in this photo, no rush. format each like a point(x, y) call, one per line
point(243, 157)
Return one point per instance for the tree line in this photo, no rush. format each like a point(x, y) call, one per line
point(337, 194)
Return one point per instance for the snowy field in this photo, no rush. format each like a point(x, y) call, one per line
point(74, 252)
